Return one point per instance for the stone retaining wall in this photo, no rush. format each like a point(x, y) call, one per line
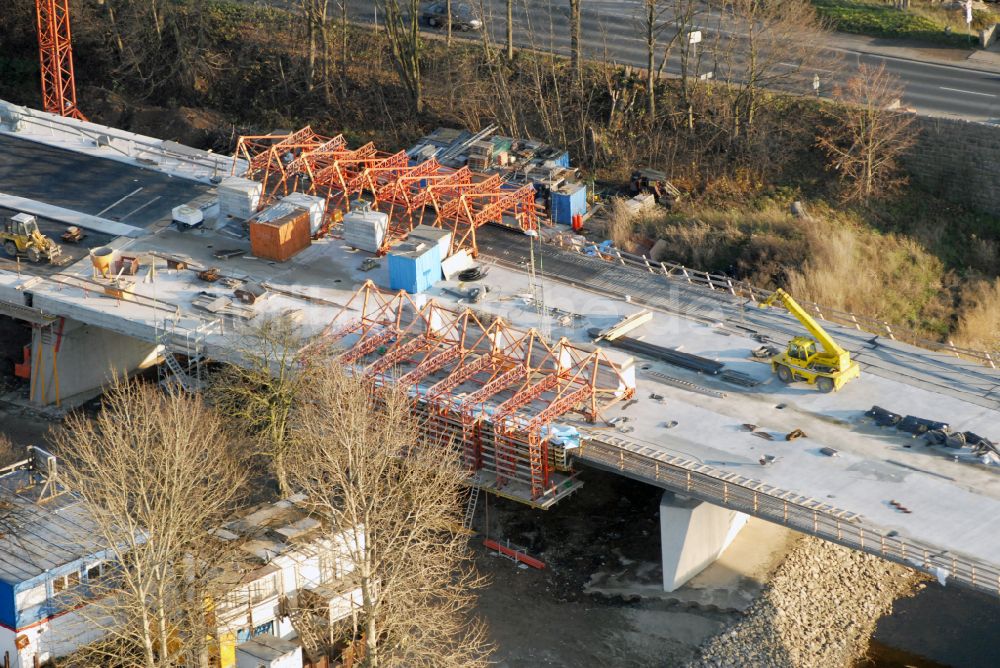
point(959, 160)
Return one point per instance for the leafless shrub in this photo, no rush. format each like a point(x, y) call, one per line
point(866, 135)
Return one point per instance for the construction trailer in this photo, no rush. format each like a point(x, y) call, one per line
point(476, 383)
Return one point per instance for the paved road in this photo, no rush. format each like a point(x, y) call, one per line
point(930, 88)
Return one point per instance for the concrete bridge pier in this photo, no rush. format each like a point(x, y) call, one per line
point(68, 358)
point(693, 534)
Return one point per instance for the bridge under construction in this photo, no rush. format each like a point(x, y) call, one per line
point(505, 365)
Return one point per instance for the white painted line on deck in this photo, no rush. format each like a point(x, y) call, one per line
point(107, 208)
point(139, 208)
point(967, 92)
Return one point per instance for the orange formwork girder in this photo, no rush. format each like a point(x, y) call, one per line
point(269, 157)
point(506, 377)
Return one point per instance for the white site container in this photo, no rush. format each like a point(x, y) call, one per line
point(365, 230)
point(238, 197)
point(316, 206)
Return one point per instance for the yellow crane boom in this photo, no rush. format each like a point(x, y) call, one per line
point(829, 369)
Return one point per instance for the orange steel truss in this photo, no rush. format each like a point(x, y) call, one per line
point(485, 386)
point(487, 202)
point(55, 53)
point(461, 200)
point(269, 157)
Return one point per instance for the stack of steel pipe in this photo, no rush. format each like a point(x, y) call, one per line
point(668, 355)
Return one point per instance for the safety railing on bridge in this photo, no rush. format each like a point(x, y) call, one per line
point(745, 290)
point(783, 507)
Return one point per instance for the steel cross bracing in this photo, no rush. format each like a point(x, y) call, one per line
point(269, 157)
point(55, 53)
point(438, 352)
point(475, 207)
point(431, 364)
point(463, 373)
point(461, 201)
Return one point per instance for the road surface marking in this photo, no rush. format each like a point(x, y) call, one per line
point(968, 92)
point(108, 208)
point(140, 207)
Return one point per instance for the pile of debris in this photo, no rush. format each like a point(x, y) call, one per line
point(968, 445)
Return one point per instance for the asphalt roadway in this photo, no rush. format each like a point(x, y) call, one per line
point(613, 28)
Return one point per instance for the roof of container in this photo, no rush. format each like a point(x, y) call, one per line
point(39, 534)
point(267, 647)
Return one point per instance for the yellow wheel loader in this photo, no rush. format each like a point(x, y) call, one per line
point(829, 368)
point(20, 238)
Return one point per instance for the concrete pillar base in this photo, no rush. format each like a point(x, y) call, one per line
point(70, 357)
point(693, 534)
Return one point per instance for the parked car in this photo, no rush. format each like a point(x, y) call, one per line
point(462, 17)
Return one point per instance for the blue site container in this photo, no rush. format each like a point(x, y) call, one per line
point(414, 267)
point(567, 201)
point(562, 160)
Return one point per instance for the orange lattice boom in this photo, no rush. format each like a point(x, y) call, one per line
point(55, 52)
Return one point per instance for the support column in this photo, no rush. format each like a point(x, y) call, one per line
point(70, 357)
point(693, 534)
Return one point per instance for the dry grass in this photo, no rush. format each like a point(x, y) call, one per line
point(830, 258)
point(620, 224)
point(8, 453)
point(979, 322)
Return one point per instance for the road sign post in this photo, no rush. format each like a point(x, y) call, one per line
point(694, 37)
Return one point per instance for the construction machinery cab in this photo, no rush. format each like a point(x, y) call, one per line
point(22, 225)
point(21, 236)
point(801, 348)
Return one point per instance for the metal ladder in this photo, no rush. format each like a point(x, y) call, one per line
point(178, 374)
point(470, 507)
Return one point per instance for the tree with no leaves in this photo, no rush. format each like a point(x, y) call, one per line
point(575, 47)
point(867, 134)
point(403, 30)
point(154, 473)
point(257, 395)
point(360, 462)
point(772, 44)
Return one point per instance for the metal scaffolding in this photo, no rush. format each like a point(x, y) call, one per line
point(458, 199)
point(479, 383)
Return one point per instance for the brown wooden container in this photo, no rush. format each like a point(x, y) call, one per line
point(281, 238)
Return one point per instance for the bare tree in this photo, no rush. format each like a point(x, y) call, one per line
point(155, 475)
point(404, 39)
point(865, 136)
point(360, 462)
point(773, 42)
point(257, 395)
point(574, 37)
point(447, 12)
point(510, 30)
point(316, 13)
